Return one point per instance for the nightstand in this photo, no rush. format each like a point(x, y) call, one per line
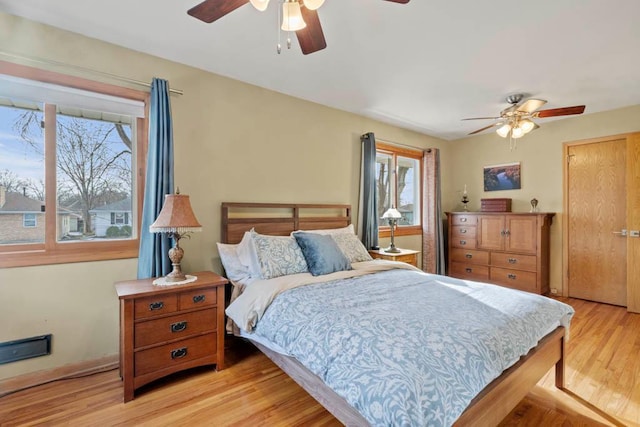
point(166, 329)
point(405, 255)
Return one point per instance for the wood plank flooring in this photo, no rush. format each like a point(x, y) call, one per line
point(602, 372)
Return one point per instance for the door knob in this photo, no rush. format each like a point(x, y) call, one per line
point(622, 232)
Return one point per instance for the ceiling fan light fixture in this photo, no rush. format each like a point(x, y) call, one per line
point(261, 5)
point(526, 125)
point(503, 130)
point(292, 16)
point(313, 4)
point(517, 132)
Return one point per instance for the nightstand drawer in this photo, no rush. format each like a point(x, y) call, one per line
point(174, 327)
point(521, 262)
point(469, 271)
point(155, 305)
point(470, 256)
point(176, 353)
point(199, 298)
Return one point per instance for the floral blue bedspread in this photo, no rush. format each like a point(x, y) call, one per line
point(407, 348)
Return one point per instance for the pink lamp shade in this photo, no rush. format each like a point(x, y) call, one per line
point(176, 216)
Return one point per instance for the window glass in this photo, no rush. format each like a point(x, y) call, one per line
point(21, 173)
point(94, 174)
point(408, 190)
point(384, 170)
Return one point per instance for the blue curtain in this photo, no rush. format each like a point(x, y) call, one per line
point(153, 259)
point(368, 209)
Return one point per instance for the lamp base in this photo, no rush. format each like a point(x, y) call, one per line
point(175, 255)
point(392, 250)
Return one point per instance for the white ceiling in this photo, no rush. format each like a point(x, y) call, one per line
point(422, 66)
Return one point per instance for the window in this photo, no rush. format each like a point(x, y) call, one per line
point(398, 183)
point(72, 167)
point(29, 220)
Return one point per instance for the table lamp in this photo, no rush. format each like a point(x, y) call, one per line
point(393, 216)
point(176, 219)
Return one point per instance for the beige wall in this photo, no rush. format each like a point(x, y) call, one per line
point(233, 142)
point(540, 154)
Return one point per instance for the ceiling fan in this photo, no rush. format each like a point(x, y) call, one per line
point(515, 121)
point(299, 16)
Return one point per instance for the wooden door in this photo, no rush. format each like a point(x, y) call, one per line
point(596, 215)
point(490, 232)
point(522, 233)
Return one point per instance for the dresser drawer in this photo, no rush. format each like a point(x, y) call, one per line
point(464, 242)
point(174, 327)
point(155, 305)
point(469, 271)
point(464, 219)
point(463, 231)
point(470, 256)
point(516, 279)
point(520, 262)
point(166, 356)
point(198, 298)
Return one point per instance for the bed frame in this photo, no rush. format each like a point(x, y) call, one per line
point(488, 408)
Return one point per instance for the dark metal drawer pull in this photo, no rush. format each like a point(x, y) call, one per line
point(468, 256)
point(463, 242)
point(179, 353)
point(511, 276)
point(156, 306)
point(512, 260)
point(198, 298)
point(468, 270)
point(178, 326)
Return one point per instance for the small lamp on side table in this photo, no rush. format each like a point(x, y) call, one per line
point(177, 219)
point(393, 216)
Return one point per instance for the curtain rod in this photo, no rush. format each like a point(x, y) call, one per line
point(386, 141)
point(101, 73)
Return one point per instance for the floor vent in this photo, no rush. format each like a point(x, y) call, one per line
point(12, 351)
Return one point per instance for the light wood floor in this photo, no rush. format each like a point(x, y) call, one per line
point(603, 378)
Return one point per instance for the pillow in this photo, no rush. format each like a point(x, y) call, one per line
point(347, 229)
point(278, 255)
point(352, 247)
point(247, 255)
point(322, 253)
point(233, 268)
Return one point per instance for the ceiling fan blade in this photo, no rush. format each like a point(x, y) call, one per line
point(211, 10)
point(484, 128)
point(311, 38)
point(531, 105)
point(565, 111)
point(482, 118)
point(399, 1)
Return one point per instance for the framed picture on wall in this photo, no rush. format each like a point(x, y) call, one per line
point(502, 177)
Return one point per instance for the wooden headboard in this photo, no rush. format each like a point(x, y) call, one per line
point(280, 219)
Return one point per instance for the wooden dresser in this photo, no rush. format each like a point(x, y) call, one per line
point(165, 329)
point(508, 249)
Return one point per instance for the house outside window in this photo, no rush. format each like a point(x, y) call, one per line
point(29, 220)
point(98, 135)
point(399, 185)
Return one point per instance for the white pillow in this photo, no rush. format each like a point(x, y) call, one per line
point(348, 229)
point(233, 268)
point(247, 255)
point(352, 247)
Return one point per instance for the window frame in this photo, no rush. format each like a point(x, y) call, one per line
point(384, 230)
point(53, 251)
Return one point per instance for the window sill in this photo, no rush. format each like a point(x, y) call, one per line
point(407, 230)
point(80, 253)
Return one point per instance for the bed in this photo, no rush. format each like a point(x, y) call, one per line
point(291, 303)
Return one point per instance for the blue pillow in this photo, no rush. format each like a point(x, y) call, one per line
point(322, 253)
